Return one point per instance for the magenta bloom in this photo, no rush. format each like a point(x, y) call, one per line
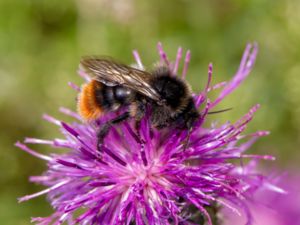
point(165, 183)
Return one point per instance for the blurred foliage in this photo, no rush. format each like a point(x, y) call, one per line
point(41, 43)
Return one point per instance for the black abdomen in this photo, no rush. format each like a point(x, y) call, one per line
point(112, 97)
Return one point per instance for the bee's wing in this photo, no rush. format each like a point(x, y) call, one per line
point(111, 73)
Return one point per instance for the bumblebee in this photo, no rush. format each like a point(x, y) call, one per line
point(115, 85)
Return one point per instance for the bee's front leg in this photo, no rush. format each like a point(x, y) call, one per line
point(104, 129)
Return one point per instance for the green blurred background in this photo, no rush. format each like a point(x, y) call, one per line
point(41, 43)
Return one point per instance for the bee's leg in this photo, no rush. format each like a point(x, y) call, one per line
point(189, 120)
point(187, 139)
point(140, 113)
point(103, 131)
point(140, 107)
point(141, 142)
point(137, 127)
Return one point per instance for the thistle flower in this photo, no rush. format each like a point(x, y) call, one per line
point(165, 182)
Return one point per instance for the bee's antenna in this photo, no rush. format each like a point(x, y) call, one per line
point(220, 111)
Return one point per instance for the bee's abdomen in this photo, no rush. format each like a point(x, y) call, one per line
point(96, 98)
point(88, 104)
point(110, 98)
point(105, 97)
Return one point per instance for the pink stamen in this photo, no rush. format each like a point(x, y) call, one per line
point(200, 99)
point(186, 63)
point(30, 151)
point(260, 133)
point(264, 157)
point(178, 59)
point(162, 54)
point(252, 57)
point(210, 71)
point(69, 112)
point(202, 95)
point(27, 197)
point(247, 117)
point(84, 75)
point(245, 57)
point(39, 178)
point(245, 67)
point(217, 86)
point(138, 59)
point(74, 86)
point(37, 141)
point(51, 119)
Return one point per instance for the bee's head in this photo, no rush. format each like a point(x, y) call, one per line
point(172, 91)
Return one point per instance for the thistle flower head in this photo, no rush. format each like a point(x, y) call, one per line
point(163, 182)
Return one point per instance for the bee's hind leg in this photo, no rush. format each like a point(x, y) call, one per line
point(104, 129)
